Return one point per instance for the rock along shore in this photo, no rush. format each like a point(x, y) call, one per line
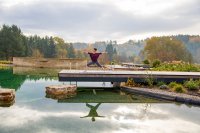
point(161, 94)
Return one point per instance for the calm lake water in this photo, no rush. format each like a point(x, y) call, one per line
point(105, 111)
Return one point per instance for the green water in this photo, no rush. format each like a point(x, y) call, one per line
point(105, 111)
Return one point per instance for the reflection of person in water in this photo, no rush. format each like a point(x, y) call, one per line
point(93, 111)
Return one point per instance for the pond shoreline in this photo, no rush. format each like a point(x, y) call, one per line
point(161, 94)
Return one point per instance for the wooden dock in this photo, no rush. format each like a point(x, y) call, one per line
point(122, 76)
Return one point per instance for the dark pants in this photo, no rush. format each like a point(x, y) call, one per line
point(93, 62)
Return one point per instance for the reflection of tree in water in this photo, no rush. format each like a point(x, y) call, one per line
point(10, 80)
point(36, 72)
point(38, 77)
point(93, 111)
point(14, 81)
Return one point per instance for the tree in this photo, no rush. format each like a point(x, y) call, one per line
point(61, 47)
point(12, 42)
point(36, 53)
point(61, 53)
point(110, 51)
point(104, 59)
point(59, 40)
point(52, 48)
point(80, 54)
point(71, 51)
point(197, 55)
point(166, 49)
point(114, 51)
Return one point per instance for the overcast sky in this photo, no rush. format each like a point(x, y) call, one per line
point(95, 20)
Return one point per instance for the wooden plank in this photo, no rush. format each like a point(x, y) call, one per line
point(136, 65)
point(101, 75)
point(127, 72)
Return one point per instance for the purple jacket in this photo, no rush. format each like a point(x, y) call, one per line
point(94, 57)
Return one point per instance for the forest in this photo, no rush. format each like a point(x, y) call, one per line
point(166, 48)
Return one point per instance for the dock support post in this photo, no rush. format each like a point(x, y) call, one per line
point(116, 84)
point(86, 65)
point(70, 65)
point(76, 83)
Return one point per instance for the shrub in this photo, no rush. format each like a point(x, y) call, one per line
point(130, 82)
point(112, 63)
point(178, 67)
point(191, 85)
point(172, 84)
point(146, 62)
point(178, 88)
point(198, 82)
point(160, 83)
point(149, 80)
point(164, 87)
point(156, 63)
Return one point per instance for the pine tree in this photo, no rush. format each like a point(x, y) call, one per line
point(110, 51)
point(11, 42)
point(71, 51)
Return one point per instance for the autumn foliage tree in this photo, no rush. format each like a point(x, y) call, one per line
point(61, 47)
point(166, 49)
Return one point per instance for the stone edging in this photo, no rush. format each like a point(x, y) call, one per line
point(160, 94)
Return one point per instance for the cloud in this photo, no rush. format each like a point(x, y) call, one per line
point(21, 116)
point(154, 118)
point(101, 20)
